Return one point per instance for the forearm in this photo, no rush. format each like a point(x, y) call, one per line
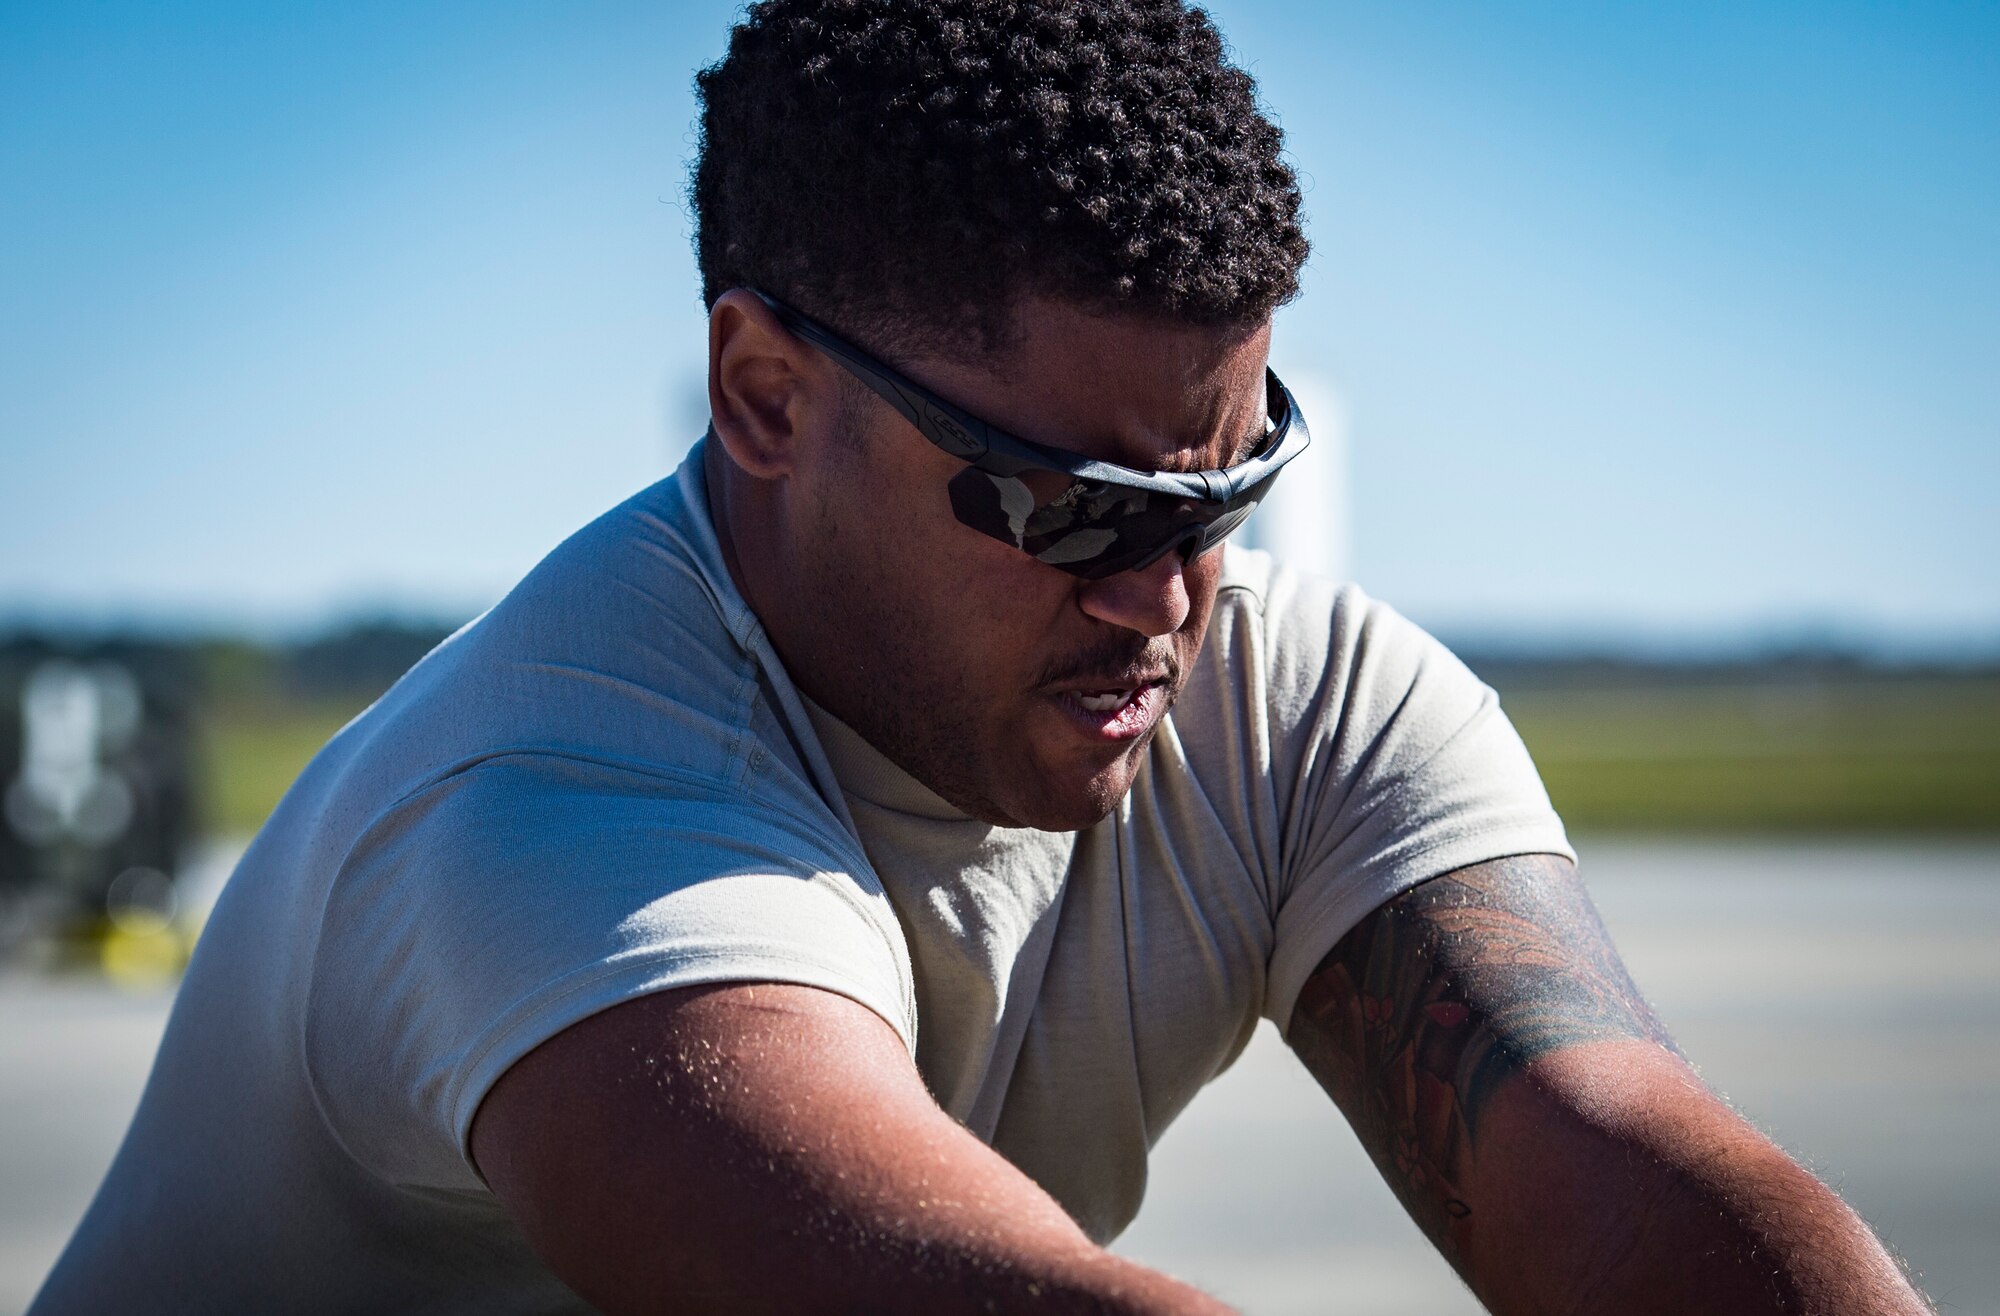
point(1591, 1194)
point(948, 1252)
point(1531, 1113)
point(765, 1148)
point(931, 1280)
point(894, 1277)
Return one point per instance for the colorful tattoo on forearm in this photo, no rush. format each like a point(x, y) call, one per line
point(1420, 1012)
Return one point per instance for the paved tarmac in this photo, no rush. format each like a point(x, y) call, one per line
point(1844, 996)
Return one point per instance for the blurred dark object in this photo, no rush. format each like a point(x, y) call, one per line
point(118, 753)
point(97, 781)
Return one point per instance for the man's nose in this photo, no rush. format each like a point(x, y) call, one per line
point(1152, 600)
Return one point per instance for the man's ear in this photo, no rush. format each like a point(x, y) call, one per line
point(765, 387)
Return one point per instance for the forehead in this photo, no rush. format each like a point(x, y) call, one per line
point(1135, 390)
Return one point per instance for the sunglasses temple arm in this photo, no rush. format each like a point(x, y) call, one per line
point(889, 390)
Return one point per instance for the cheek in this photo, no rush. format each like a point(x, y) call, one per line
point(879, 517)
point(897, 499)
point(932, 599)
point(1203, 578)
point(914, 552)
point(956, 573)
point(992, 608)
point(935, 608)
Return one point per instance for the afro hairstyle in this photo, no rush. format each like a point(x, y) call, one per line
point(905, 170)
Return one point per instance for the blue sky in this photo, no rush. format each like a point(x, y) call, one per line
point(1657, 322)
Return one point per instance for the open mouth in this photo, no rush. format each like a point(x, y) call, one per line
point(1116, 713)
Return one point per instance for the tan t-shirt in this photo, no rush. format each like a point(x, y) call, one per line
point(1075, 990)
point(608, 786)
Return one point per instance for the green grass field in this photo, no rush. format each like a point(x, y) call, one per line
point(1868, 753)
point(250, 752)
point(1863, 753)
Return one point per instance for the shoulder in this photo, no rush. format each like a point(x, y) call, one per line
point(1300, 618)
point(578, 808)
point(491, 911)
point(626, 644)
point(563, 856)
point(1300, 647)
point(1378, 756)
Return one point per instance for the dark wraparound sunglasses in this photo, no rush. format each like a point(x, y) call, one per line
point(1089, 518)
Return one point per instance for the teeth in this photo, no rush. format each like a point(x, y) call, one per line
point(1104, 703)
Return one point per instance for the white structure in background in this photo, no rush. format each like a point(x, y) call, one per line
point(73, 718)
point(1305, 521)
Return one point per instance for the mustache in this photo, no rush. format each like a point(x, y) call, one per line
point(1113, 661)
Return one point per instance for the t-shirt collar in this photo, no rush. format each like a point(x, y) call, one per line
point(867, 774)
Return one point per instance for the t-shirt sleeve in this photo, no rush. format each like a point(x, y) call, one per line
point(1399, 766)
point(485, 915)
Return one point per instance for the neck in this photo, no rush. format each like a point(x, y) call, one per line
point(719, 476)
point(748, 526)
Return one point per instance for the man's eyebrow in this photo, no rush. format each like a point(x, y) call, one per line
point(1248, 445)
point(1245, 448)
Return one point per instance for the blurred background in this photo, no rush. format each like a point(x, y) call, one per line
point(1651, 354)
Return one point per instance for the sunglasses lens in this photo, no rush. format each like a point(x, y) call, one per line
point(1088, 529)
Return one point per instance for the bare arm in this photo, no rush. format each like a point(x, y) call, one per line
point(766, 1148)
point(1525, 1104)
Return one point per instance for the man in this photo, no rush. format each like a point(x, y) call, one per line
point(816, 886)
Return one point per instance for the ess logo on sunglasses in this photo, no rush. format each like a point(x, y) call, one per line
point(963, 444)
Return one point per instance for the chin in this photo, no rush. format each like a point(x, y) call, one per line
point(1062, 802)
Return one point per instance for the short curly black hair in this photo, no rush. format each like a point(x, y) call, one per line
point(911, 167)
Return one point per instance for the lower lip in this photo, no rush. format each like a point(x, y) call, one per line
point(1127, 722)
